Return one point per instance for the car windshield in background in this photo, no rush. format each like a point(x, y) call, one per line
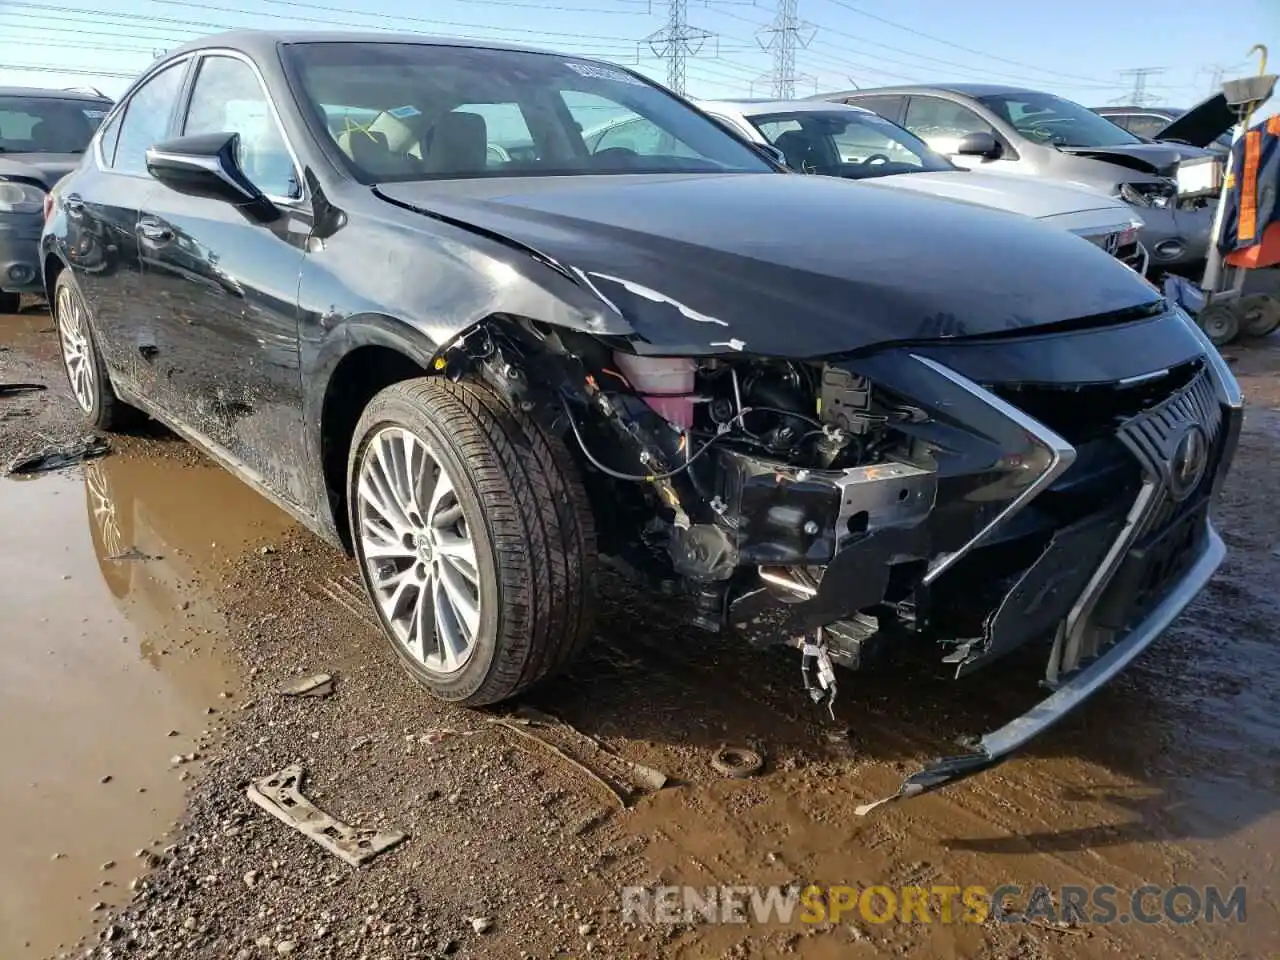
point(407, 111)
point(1043, 118)
point(846, 144)
point(48, 124)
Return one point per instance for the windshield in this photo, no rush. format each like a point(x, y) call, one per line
point(845, 143)
point(48, 124)
point(1044, 118)
point(406, 111)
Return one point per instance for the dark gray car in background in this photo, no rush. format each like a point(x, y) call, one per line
point(43, 136)
point(1005, 129)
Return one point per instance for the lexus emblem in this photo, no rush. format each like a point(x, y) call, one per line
point(1111, 243)
point(1188, 463)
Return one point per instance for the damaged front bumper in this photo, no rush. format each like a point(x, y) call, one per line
point(999, 744)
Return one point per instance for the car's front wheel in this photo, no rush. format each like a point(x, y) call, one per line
point(86, 372)
point(474, 538)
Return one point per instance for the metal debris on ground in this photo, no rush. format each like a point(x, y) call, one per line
point(11, 389)
point(316, 685)
point(57, 457)
point(133, 553)
point(737, 762)
point(281, 796)
point(623, 777)
point(516, 728)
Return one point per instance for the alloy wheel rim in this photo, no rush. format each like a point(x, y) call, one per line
point(77, 357)
point(418, 552)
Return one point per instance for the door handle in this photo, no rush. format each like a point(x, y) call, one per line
point(154, 230)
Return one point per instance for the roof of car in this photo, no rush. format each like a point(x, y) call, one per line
point(967, 89)
point(263, 42)
point(755, 108)
point(53, 94)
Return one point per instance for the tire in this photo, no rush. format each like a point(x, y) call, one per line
point(10, 302)
point(516, 497)
point(1220, 322)
point(1259, 314)
point(82, 361)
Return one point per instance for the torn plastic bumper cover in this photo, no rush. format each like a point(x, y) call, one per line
point(997, 745)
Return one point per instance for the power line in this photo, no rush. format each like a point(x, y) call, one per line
point(781, 37)
point(214, 25)
point(981, 72)
point(1138, 95)
point(1037, 68)
point(676, 41)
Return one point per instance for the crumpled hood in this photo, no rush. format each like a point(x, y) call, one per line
point(789, 266)
point(44, 168)
point(1159, 158)
point(1031, 196)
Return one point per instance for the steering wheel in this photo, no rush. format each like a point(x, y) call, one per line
point(876, 158)
point(621, 155)
point(503, 156)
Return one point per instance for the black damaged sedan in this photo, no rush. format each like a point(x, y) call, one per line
point(385, 281)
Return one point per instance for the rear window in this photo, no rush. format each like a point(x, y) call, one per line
point(48, 124)
point(408, 111)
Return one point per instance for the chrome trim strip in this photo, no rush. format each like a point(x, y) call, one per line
point(123, 106)
point(1086, 682)
point(1070, 638)
point(999, 744)
point(1063, 455)
point(271, 105)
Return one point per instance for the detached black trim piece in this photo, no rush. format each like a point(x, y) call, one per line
point(996, 746)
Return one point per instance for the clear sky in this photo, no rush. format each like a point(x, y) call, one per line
point(1076, 48)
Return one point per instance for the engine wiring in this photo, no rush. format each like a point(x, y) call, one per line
point(632, 477)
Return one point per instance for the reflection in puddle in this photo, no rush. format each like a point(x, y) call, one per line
point(108, 641)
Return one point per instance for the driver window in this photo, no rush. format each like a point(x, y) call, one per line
point(227, 98)
point(608, 125)
point(942, 124)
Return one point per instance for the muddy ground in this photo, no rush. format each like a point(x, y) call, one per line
point(152, 605)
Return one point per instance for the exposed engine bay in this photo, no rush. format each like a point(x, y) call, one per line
point(888, 501)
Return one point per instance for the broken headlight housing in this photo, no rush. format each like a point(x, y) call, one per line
point(1154, 194)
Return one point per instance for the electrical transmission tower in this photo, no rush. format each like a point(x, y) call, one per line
point(1138, 95)
point(781, 38)
point(676, 41)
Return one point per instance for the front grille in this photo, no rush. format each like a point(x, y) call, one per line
point(1166, 539)
point(1152, 437)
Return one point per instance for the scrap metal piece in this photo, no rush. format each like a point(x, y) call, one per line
point(55, 458)
point(316, 685)
point(577, 765)
point(281, 796)
point(737, 762)
point(10, 389)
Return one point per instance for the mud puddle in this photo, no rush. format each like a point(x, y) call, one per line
point(111, 641)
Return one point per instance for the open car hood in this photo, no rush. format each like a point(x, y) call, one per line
point(788, 266)
point(1202, 124)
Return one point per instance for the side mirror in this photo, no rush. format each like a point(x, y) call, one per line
point(205, 165)
point(773, 153)
point(979, 144)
